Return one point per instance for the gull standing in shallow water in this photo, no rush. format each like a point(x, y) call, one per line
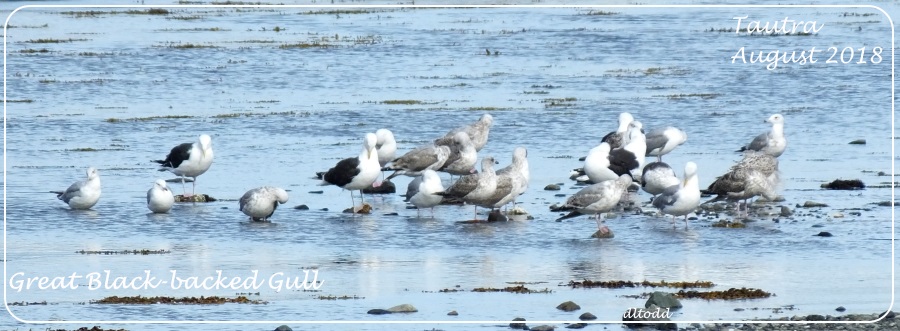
point(159, 197)
point(356, 173)
point(597, 199)
point(681, 200)
point(771, 142)
point(414, 162)
point(478, 132)
point(477, 189)
point(462, 158)
point(82, 194)
point(189, 160)
point(756, 174)
point(663, 140)
point(260, 203)
point(423, 195)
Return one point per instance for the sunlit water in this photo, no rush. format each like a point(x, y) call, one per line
point(279, 112)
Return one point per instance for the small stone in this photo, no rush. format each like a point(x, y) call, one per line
point(576, 326)
point(302, 207)
point(497, 216)
point(815, 317)
point(404, 308)
point(324, 209)
point(587, 317)
point(841, 309)
point(364, 209)
point(858, 142)
point(392, 214)
point(386, 187)
point(888, 314)
point(452, 313)
point(378, 312)
point(886, 204)
point(560, 195)
point(568, 306)
point(552, 187)
point(825, 234)
point(813, 204)
point(739, 309)
point(316, 192)
point(841, 184)
point(284, 328)
point(517, 211)
point(194, 198)
point(838, 215)
point(817, 226)
point(785, 211)
point(662, 300)
point(515, 325)
point(542, 328)
point(603, 234)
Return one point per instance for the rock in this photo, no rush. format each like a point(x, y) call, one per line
point(568, 306)
point(284, 328)
point(813, 204)
point(452, 313)
point(599, 234)
point(785, 211)
point(859, 317)
point(651, 313)
point(302, 207)
point(515, 325)
point(841, 309)
point(404, 308)
point(858, 142)
point(542, 328)
point(824, 234)
point(739, 309)
point(497, 216)
point(885, 204)
point(377, 312)
point(888, 314)
point(815, 317)
point(552, 187)
point(838, 215)
point(841, 184)
point(316, 192)
point(576, 326)
point(662, 300)
point(559, 195)
point(364, 209)
point(587, 317)
point(386, 187)
point(517, 211)
point(324, 209)
point(194, 198)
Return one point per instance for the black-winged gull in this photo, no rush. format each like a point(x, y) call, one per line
point(681, 200)
point(260, 203)
point(476, 189)
point(159, 197)
point(82, 194)
point(478, 132)
point(356, 173)
point(423, 195)
point(661, 141)
point(597, 199)
point(657, 177)
point(771, 142)
point(462, 158)
point(636, 145)
point(420, 159)
point(618, 138)
point(189, 160)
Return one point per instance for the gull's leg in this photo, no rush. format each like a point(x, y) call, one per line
point(194, 186)
point(183, 188)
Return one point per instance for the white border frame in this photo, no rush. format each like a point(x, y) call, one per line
point(5, 278)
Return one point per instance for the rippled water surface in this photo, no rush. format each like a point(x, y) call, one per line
point(285, 92)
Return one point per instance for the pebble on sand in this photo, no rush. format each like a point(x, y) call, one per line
point(568, 306)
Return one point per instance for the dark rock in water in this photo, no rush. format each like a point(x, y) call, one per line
point(194, 198)
point(552, 187)
point(542, 328)
point(386, 187)
point(886, 204)
point(392, 214)
point(559, 195)
point(662, 300)
point(785, 211)
point(600, 234)
point(858, 142)
point(378, 312)
point(652, 313)
point(812, 204)
point(497, 216)
point(404, 308)
point(824, 234)
point(364, 209)
point(316, 192)
point(568, 306)
point(302, 207)
point(515, 325)
point(452, 313)
point(324, 209)
point(841, 184)
point(841, 309)
point(888, 314)
point(815, 317)
point(284, 328)
point(587, 317)
point(576, 326)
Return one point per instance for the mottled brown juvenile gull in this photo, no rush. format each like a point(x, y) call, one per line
point(756, 174)
point(462, 158)
point(82, 194)
point(618, 138)
point(681, 200)
point(772, 142)
point(260, 203)
point(597, 199)
point(420, 159)
point(478, 132)
point(189, 160)
point(663, 140)
point(519, 173)
point(476, 189)
point(159, 197)
point(356, 173)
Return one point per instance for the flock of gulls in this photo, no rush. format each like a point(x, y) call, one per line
point(611, 167)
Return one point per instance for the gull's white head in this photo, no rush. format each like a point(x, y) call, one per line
point(205, 142)
point(384, 136)
point(624, 120)
point(92, 173)
point(487, 119)
point(280, 194)
point(161, 184)
point(775, 119)
point(370, 142)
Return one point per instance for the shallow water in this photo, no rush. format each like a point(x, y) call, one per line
point(278, 113)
